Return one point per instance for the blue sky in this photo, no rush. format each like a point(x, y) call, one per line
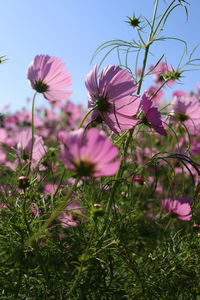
point(72, 30)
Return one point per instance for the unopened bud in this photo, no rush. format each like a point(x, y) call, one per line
point(139, 179)
point(134, 22)
point(23, 182)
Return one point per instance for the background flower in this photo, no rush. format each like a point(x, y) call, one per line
point(179, 208)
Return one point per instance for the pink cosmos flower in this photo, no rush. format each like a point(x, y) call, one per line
point(179, 93)
point(112, 98)
point(72, 113)
point(160, 71)
point(71, 217)
point(151, 90)
point(151, 115)
point(88, 153)
point(47, 76)
point(198, 89)
point(24, 147)
point(179, 208)
point(187, 110)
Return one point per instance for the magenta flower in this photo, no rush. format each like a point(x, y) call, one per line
point(151, 116)
point(112, 98)
point(178, 207)
point(24, 147)
point(47, 76)
point(187, 110)
point(88, 153)
point(71, 215)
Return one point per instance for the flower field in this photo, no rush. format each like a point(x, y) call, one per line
point(103, 202)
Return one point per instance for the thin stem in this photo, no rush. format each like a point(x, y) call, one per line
point(86, 116)
point(147, 48)
point(35, 246)
point(168, 224)
point(140, 37)
point(121, 138)
point(154, 18)
point(154, 94)
point(32, 140)
point(84, 258)
point(161, 19)
point(57, 212)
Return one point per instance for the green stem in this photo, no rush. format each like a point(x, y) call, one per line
point(120, 172)
point(86, 116)
point(57, 212)
point(161, 19)
point(84, 258)
point(154, 94)
point(35, 246)
point(121, 138)
point(32, 140)
point(168, 224)
point(153, 19)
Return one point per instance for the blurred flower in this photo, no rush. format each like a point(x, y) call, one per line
point(160, 72)
point(24, 147)
point(112, 98)
point(151, 91)
point(181, 209)
point(179, 93)
point(187, 110)
point(71, 215)
point(88, 153)
point(151, 116)
point(47, 76)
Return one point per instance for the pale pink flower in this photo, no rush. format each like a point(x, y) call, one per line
point(24, 147)
point(151, 116)
point(88, 153)
point(180, 207)
point(47, 76)
point(187, 110)
point(198, 89)
point(151, 91)
point(179, 93)
point(73, 114)
point(160, 71)
point(71, 216)
point(112, 97)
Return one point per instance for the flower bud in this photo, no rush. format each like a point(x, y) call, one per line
point(23, 182)
point(134, 22)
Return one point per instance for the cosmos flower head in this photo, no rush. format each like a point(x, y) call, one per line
point(88, 153)
point(112, 98)
point(187, 111)
point(47, 76)
point(24, 147)
point(71, 215)
point(152, 90)
point(179, 208)
point(151, 116)
point(160, 72)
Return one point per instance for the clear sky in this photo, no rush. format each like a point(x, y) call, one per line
point(72, 30)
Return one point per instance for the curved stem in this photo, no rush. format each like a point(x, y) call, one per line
point(80, 125)
point(32, 140)
point(56, 213)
